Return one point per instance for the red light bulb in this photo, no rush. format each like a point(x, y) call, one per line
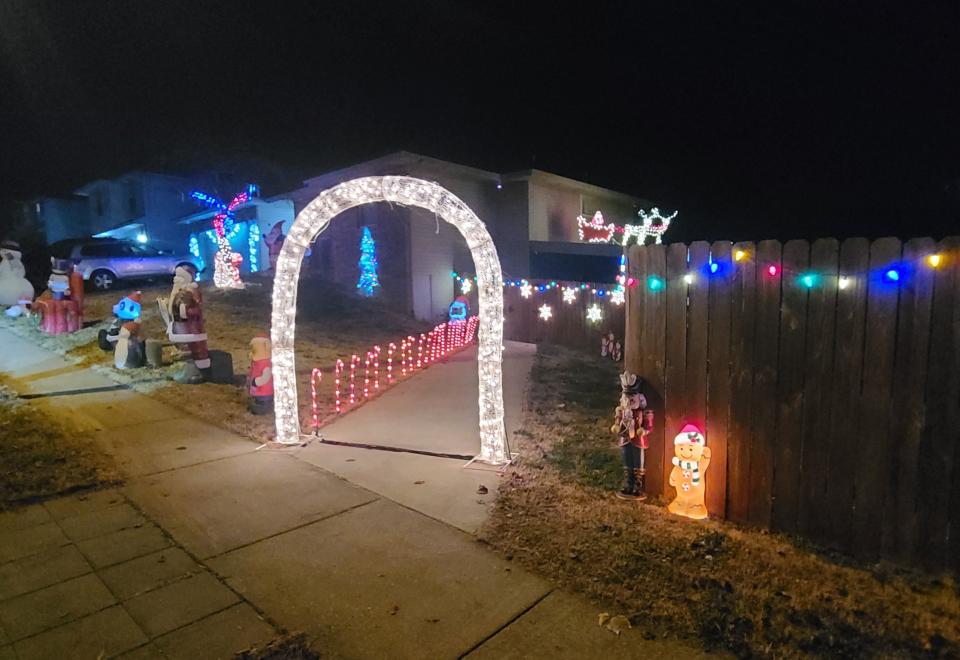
point(773, 270)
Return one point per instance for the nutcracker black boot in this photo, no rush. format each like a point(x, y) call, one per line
point(629, 491)
point(640, 477)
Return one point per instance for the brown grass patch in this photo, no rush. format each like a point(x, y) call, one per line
point(747, 592)
point(43, 458)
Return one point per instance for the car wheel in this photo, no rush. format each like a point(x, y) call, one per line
point(103, 280)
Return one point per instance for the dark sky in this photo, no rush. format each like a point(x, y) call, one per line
point(754, 120)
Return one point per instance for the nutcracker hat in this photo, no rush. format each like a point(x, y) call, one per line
point(630, 383)
point(690, 434)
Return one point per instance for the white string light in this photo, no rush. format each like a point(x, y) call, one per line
point(406, 191)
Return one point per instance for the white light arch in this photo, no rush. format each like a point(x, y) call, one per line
point(406, 191)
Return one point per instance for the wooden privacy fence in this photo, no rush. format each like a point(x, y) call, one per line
point(827, 377)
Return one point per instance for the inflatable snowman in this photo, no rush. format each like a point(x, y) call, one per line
point(14, 287)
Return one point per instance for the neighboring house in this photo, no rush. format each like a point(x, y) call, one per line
point(137, 205)
point(531, 215)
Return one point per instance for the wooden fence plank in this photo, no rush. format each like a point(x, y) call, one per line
point(718, 379)
point(633, 333)
point(818, 390)
point(742, 329)
point(698, 299)
point(872, 467)
point(654, 334)
point(846, 436)
point(939, 439)
point(906, 420)
point(676, 390)
point(766, 348)
point(790, 369)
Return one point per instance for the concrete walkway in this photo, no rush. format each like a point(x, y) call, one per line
point(212, 546)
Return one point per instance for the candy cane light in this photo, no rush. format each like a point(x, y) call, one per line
point(407, 191)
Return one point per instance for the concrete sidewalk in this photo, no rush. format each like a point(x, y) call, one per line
point(212, 546)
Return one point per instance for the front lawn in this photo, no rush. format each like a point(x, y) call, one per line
point(748, 592)
point(332, 322)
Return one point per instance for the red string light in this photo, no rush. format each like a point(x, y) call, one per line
point(315, 377)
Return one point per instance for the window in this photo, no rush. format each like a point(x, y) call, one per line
point(144, 251)
point(104, 250)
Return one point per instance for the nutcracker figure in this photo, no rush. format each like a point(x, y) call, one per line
point(632, 424)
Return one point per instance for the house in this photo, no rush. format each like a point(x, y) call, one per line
point(531, 216)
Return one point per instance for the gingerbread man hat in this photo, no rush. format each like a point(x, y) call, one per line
point(690, 434)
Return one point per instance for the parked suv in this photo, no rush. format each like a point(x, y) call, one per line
point(103, 261)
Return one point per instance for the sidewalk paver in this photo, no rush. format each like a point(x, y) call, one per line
point(169, 444)
point(145, 573)
point(82, 503)
point(178, 604)
point(123, 545)
point(382, 581)
point(38, 571)
point(100, 635)
point(219, 636)
point(31, 540)
point(213, 507)
point(54, 605)
point(101, 522)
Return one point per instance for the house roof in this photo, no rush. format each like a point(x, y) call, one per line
point(405, 162)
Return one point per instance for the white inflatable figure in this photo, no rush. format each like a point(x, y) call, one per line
point(22, 308)
point(14, 287)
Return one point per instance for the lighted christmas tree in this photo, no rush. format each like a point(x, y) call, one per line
point(368, 264)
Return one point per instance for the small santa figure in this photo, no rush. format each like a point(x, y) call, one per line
point(186, 316)
point(260, 377)
point(632, 424)
point(274, 240)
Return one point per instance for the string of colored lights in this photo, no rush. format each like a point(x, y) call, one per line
point(428, 348)
point(896, 272)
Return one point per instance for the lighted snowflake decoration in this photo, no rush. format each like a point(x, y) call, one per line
point(617, 296)
point(594, 314)
point(545, 312)
point(526, 290)
point(466, 285)
point(569, 295)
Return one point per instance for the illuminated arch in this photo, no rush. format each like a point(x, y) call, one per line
point(406, 191)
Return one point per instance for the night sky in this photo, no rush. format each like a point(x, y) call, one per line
point(755, 121)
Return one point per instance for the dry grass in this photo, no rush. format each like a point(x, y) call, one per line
point(751, 593)
point(43, 458)
point(331, 322)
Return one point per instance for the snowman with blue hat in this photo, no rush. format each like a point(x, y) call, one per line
point(125, 311)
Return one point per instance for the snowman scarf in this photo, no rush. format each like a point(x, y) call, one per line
point(692, 466)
